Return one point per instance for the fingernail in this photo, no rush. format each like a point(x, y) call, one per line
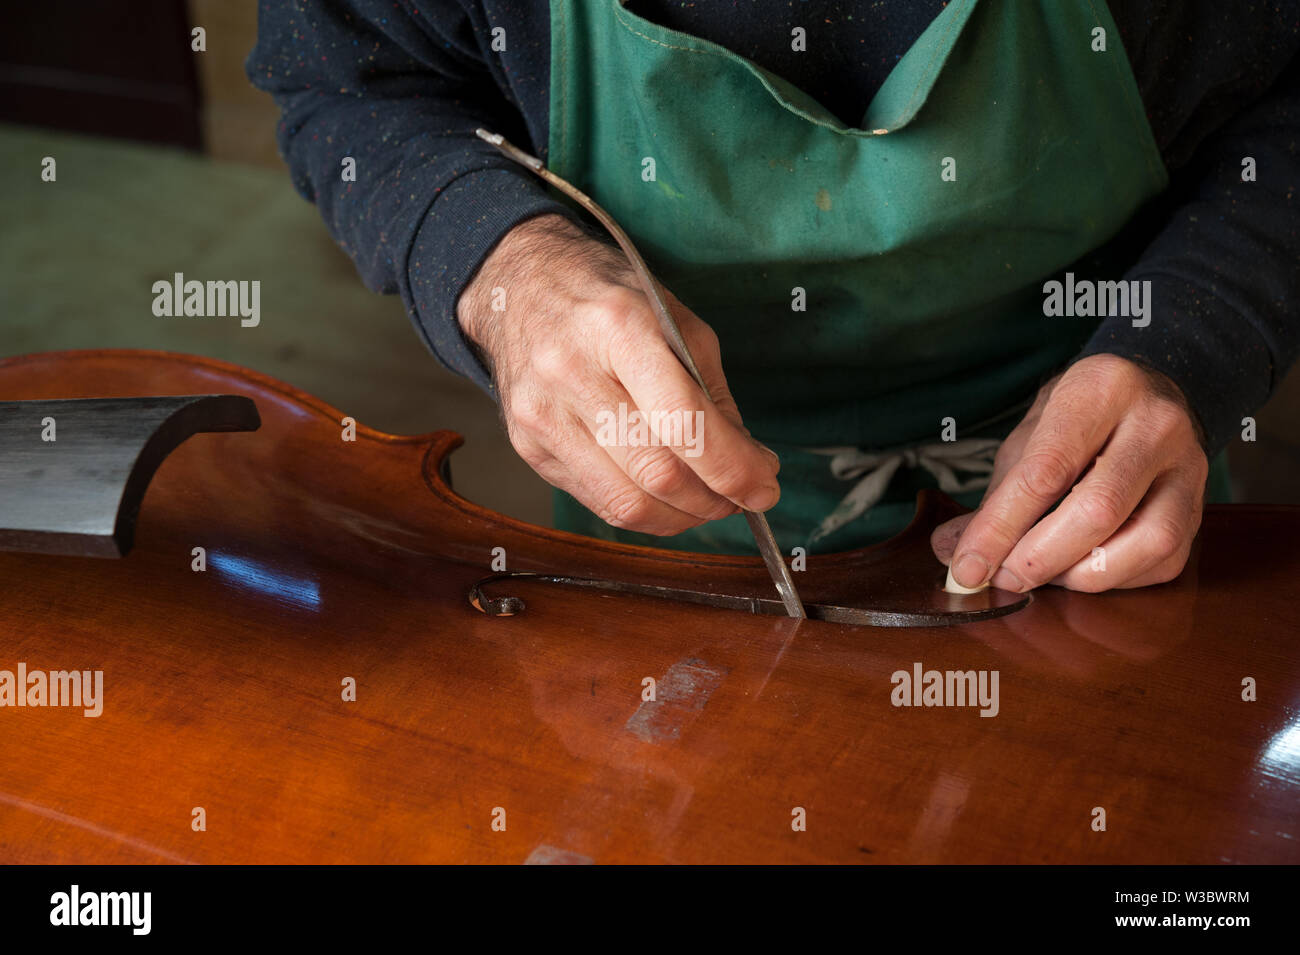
point(952, 587)
point(762, 499)
point(1006, 580)
point(766, 449)
point(970, 570)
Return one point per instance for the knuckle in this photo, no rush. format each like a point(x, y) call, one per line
point(1166, 537)
point(628, 510)
point(620, 311)
point(1119, 369)
point(1195, 513)
point(1169, 571)
point(588, 313)
point(723, 508)
point(705, 340)
point(658, 473)
point(1103, 508)
point(530, 453)
point(527, 414)
point(1044, 475)
point(623, 301)
point(1123, 368)
point(1165, 419)
point(529, 450)
point(553, 363)
point(988, 534)
point(1097, 372)
point(1200, 467)
point(733, 481)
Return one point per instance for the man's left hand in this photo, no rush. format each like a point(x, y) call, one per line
point(1122, 441)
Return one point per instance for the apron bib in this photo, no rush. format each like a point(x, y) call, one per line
point(1000, 150)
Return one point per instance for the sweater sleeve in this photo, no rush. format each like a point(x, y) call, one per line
point(1224, 272)
point(400, 91)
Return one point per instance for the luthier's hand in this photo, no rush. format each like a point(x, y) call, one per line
point(1130, 435)
point(576, 338)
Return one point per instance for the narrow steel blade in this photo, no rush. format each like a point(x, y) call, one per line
point(776, 565)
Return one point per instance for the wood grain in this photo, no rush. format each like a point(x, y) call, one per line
point(329, 559)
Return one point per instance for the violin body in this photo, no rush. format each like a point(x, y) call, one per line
point(320, 688)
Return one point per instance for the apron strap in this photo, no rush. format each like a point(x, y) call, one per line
point(873, 470)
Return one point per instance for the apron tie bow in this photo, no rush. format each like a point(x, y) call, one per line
point(873, 470)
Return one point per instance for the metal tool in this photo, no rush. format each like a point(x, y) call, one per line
point(758, 525)
point(934, 608)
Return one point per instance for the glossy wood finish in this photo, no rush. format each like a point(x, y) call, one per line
point(328, 559)
point(896, 584)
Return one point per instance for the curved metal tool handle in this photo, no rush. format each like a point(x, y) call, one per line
point(648, 285)
point(758, 525)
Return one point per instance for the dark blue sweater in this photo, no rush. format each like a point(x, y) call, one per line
point(400, 87)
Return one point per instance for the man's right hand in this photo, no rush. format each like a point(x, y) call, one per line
point(577, 337)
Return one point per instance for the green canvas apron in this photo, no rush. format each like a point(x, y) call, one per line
point(922, 291)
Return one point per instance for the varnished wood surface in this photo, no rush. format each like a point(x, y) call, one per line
point(329, 559)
